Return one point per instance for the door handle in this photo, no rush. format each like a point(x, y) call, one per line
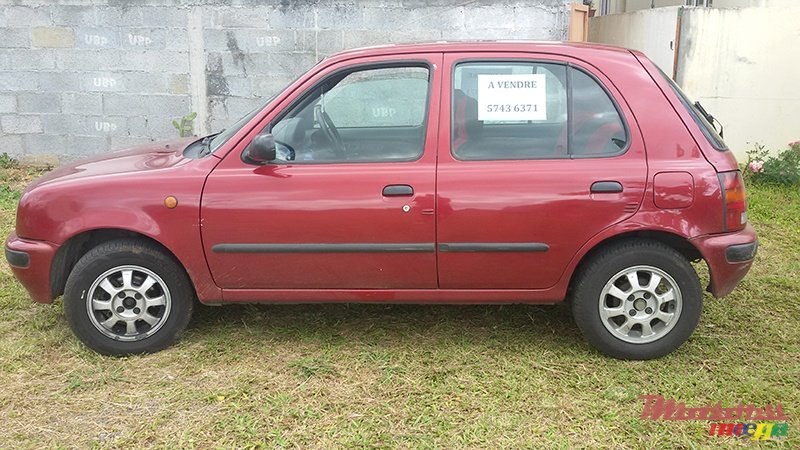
point(606, 187)
point(398, 190)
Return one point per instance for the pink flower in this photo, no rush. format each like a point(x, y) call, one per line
point(794, 144)
point(756, 166)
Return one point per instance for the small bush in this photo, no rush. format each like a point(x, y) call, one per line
point(7, 161)
point(186, 125)
point(784, 169)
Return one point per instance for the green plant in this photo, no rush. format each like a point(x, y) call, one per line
point(7, 161)
point(186, 124)
point(783, 169)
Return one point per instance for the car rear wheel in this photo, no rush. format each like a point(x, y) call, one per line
point(639, 299)
point(126, 297)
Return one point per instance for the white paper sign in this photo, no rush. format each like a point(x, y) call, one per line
point(512, 97)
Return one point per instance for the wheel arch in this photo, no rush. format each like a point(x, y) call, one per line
point(675, 241)
point(79, 244)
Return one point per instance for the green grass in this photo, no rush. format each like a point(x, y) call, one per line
point(381, 376)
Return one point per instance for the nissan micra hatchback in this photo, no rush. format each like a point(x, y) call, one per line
point(487, 172)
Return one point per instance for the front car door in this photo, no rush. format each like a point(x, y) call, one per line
point(349, 203)
point(543, 153)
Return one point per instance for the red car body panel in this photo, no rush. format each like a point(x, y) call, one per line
point(35, 275)
point(522, 200)
point(222, 200)
point(125, 191)
point(325, 203)
point(726, 275)
point(721, 160)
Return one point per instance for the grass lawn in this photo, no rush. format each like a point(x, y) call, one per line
point(402, 376)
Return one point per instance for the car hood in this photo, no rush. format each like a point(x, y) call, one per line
point(155, 156)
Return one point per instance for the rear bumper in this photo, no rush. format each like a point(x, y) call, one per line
point(729, 257)
point(741, 252)
point(31, 261)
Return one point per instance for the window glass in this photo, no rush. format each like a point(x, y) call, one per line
point(509, 111)
point(379, 98)
point(597, 128)
point(222, 136)
point(365, 115)
point(522, 111)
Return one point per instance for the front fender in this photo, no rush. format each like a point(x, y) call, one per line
point(57, 212)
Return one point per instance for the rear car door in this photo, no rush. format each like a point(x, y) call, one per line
point(349, 201)
point(542, 154)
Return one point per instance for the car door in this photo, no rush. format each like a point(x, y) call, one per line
point(542, 154)
point(349, 201)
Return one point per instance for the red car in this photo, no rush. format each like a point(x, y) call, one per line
point(486, 172)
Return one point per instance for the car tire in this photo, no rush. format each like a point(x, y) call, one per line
point(128, 297)
point(637, 299)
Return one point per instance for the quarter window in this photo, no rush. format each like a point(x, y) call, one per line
point(360, 116)
point(531, 110)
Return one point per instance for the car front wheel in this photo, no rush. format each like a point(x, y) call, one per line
point(638, 299)
point(126, 297)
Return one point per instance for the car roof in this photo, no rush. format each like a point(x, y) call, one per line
point(480, 46)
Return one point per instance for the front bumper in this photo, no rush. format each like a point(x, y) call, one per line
point(729, 257)
point(31, 261)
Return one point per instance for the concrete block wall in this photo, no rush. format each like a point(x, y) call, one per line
point(82, 77)
point(732, 60)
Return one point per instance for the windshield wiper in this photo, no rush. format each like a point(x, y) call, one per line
point(206, 144)
point(206, 149)
point(710, 119)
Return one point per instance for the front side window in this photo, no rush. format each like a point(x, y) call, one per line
point(531, 110)
point(359, 116)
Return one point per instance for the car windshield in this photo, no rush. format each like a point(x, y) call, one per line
point(224, 135)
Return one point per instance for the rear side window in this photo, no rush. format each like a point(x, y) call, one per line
point(597, 128)
point(531, 110)
point(708, 130)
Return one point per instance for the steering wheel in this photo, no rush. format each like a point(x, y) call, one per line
point(328, 127)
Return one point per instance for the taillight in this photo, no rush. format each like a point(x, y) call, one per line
point(734, 200)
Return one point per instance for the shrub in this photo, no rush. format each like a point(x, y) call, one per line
point(7, 161)
point(186, 124)
point(761, 167)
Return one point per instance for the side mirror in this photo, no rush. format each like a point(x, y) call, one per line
point(262, 149)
